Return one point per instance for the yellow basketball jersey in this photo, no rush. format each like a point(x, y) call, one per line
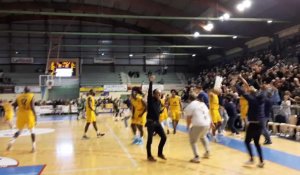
point(175, 103)
point(24, 102)
point(7, 107)
point(138, 104)
point(213, 101)
point(164, 114)
point(162, 102)
point(92, 103)
point(25, 115)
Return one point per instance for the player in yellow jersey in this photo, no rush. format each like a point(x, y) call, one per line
point(138, 108)
point(90, 108)
point(26, 117)
point(175, 108)
point(8, 113)
point(163, 118)
point(214, 111)
point(244, 108)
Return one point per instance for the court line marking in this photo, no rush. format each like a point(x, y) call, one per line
point(55, 119)
point(42, 169)
point(268, 153)
point(125, 150)
point(88, 169)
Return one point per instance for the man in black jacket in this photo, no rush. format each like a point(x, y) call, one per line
point(153, 125)
point(256, 113)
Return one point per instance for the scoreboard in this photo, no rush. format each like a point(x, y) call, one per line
point(63, 67)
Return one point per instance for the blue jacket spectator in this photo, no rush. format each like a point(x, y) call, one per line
point(203, 96)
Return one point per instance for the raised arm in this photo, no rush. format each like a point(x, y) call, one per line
point(151, 79)
point(244, 81)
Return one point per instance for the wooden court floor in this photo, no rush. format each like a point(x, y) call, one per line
point(64, 152)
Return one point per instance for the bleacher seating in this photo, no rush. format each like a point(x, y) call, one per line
point(170, 78)
point(96, 79)
point(24, 78)
point(288, 129)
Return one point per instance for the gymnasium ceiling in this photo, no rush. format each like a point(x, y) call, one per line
point(277, 10)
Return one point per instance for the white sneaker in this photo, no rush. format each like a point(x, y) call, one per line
point(249, 162)
point(195, 160)
point(206, 155)
point(261, 165)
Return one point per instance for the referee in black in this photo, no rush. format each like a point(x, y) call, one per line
point(153, 125)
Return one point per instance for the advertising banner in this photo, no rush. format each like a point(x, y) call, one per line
point(22, 60)
point(115, 88)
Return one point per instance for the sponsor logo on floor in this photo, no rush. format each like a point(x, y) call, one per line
point(8, 162)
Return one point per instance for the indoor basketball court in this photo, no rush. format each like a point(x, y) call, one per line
point(62, 151)
point(75, 78)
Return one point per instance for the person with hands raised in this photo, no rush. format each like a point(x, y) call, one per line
point(152, 124)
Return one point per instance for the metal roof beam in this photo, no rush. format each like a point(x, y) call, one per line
point(119, 34)
point(114, 16)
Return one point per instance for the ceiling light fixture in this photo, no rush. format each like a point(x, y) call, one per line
point(196, 34)
point(209, 48)
point(241, 7)
point(208, 27)
point(234, 37)
point(193, 55)
point(247, 3)
point(131, 55)
point(224, 17)
point(269, 21)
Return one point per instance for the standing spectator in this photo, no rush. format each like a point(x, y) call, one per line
point(268, 110)
point(203, 96)
point(255, 114)
point(223, 114)
point(198, 116)
point(286, 107)
point(232, 113)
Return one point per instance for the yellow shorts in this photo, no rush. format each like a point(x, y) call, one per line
point(176, 115)
point(90, 117)
point(9, 117)
point(22, 121)
point(244, 112)
point(163, 116)
point(136, 119)
point(215, 116)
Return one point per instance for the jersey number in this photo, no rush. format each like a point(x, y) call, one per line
point(24, 101)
